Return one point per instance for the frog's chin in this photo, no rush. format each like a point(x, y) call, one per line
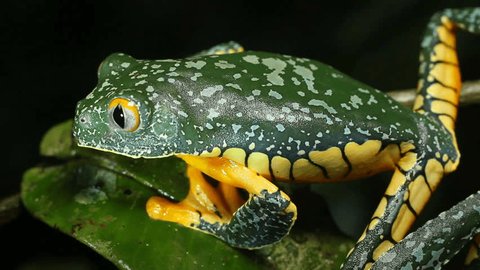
point(116, 152)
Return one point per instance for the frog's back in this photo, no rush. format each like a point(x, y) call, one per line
point(276, 113)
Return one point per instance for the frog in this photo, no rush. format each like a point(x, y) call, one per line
point(244, 120)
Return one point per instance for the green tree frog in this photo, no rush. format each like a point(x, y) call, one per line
point(248, 118)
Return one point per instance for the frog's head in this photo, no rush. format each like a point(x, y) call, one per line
point(121, 117)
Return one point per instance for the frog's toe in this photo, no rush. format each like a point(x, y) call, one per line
point(162, 209)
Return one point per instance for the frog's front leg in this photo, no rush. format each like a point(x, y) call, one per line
point(203, 200)
point(263, 219)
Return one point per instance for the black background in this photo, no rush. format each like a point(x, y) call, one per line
point(50, 51)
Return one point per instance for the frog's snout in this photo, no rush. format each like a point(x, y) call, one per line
point(84, 124)
point(86, 128)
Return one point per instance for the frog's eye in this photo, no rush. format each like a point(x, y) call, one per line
point(124, 113)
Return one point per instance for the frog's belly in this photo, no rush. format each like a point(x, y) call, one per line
point(350, 162)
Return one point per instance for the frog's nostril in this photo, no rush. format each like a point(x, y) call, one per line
point(84, 120)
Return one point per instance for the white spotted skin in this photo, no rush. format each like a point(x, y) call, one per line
point(279, 103)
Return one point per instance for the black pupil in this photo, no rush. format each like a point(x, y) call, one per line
point(118, 116)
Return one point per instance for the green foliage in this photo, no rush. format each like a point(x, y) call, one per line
point(99, 198)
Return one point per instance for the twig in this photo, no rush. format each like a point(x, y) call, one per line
point(470, 94)
point(9, 208)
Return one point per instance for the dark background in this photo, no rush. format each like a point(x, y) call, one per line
point(50, 51)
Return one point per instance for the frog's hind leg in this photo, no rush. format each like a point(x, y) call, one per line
point(439, 85)
point(440, 81)
point(410, 188)
point(421, 166)
point(263, 219)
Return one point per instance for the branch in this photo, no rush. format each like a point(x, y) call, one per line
point(470, 94)
point(9, 208)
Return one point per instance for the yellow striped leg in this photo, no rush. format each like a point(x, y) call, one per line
point(409, 190)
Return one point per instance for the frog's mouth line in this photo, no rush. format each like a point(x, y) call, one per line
point(117, 152)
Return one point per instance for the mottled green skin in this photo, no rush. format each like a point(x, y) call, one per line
point(286, 106)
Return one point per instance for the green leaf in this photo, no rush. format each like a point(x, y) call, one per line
point(106, 211)
point(99, 198)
